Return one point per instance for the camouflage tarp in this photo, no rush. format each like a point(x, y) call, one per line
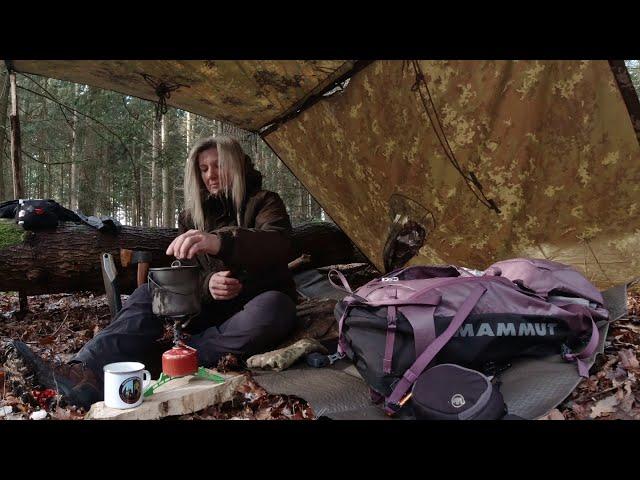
point(246, 93)
point(550, 142)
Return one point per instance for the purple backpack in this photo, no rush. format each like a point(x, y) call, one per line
point(398, 325)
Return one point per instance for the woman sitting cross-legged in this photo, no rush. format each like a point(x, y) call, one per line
point(239, 236)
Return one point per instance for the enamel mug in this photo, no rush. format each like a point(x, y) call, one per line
point(124, 383)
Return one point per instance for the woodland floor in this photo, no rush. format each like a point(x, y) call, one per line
point(58, 325)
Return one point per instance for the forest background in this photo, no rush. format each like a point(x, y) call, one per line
point(104, 153)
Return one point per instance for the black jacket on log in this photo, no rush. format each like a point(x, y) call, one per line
point(256, 251)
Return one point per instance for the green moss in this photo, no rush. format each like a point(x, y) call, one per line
point(10, 234)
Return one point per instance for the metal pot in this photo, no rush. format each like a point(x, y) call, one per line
point(175, 290)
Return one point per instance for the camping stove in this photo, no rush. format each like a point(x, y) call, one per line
point(175, 300)
point(180, 360)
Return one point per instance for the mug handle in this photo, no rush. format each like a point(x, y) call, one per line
point(146, 379)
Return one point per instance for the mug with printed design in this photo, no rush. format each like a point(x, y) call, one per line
point(124, 384)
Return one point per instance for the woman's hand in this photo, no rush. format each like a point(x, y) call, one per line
point(224, 287)
point(193, 242)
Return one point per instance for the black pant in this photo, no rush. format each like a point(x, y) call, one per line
point(258, 326)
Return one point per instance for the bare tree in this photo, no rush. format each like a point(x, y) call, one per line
point(167, 211)
point(16, 147)
point(75, 141)
point(188, 127)
point(155, 144)
point(4, 103)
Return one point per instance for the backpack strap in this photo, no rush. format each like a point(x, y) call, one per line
point(392, 405)
point(431, 299)
point(423, 323)
point(345, 285)
point(391, 336)
point(423, 326)
point(349, 301)
point(592, 345)
point(586, 353)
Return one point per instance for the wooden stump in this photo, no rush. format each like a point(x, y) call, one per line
point(178, 397)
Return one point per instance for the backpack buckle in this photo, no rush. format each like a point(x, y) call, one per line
point(393, 408)
point(337, 356)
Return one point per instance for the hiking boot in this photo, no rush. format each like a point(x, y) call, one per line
point(76, 382)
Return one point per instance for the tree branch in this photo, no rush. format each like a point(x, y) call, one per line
point(49, 163)
point(108, 129)
point(51, 97)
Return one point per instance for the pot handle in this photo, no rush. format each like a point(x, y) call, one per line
point(146, 379)
point(176, 263)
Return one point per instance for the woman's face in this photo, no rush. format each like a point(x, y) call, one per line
point(208, 165)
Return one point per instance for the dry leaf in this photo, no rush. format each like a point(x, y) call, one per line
point(581, 411)
point(626, 398)
point(629, 326)
point(47, 340)
point(264, 414)
point(606, 405)
point(61, 414)
point(554, 414)
point(628, 359)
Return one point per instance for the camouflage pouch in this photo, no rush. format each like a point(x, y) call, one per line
point(285, 357)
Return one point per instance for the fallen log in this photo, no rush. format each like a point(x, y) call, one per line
point(325, 243)
point(67, 258)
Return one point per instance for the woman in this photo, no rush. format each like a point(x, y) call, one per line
point(239, 235)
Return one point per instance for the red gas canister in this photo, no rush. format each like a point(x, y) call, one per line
point(180, 361)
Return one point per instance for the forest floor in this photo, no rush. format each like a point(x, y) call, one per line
point(58, 325)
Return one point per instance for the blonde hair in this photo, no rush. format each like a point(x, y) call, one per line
point(232, 166)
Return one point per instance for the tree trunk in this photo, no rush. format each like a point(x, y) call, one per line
point(188, 131)
point(86, 194)
point(143, 205)
point(167, 213)
point(104, 181)
point(40, 177)
point(172, 202)
point(46, 144)
point(300, 193)
point(75, 141)
point(4, 103)
point(137, 190)
point(67, 258)
point(154, 173)
point(61, 186)
point(16, 148)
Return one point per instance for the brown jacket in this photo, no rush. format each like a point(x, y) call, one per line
point(257, 251)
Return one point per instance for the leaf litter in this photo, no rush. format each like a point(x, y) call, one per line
point(612, 392)
point(57, 326)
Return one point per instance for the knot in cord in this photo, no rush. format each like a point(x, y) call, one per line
point(163, 91)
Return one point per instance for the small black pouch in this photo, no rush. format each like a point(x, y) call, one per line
point(37, 214)
point(452, 392)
